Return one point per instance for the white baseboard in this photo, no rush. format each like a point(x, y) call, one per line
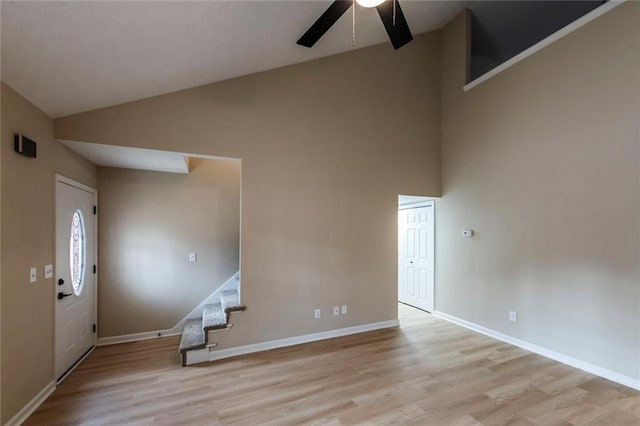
point(126, 338)
point(297, 340)
point(548, 353)
point(176, 329)
point(22, 415)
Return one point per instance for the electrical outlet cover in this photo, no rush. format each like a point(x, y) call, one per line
point(344, 309)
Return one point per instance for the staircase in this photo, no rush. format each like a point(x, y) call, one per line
point(215, 317)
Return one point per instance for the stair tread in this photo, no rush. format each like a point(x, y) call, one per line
point(230, 301)
point(213, 317)
point(192, 336)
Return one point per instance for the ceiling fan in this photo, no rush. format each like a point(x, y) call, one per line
point(389, 11)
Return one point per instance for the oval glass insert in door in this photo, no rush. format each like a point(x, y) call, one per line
point(77, 252)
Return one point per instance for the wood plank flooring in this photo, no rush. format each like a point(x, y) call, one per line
point(428, 372)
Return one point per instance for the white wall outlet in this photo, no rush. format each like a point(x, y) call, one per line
point(48, 272)
point(344, 309)
point(513, 316)
point(336, 310)
point(33, 275)
point(467, 233)
point(318, 313)
point(193, 257)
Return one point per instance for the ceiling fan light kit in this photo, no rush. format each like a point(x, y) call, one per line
point(389, 11)
point(369, 3)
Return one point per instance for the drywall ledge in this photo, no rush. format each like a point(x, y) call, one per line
point(548, 353)
point(595, 13)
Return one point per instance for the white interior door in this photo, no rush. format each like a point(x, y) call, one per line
point(75, 286)
point(416, 257)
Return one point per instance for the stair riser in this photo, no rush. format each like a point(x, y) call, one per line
point(197, 356)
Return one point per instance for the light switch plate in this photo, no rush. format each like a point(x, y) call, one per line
point(193, 257)
point(48, 271)
point(344, 309)
point(33, 275)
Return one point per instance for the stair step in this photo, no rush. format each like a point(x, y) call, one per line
point(230, 301)
point(192, 336)
point(213, 317)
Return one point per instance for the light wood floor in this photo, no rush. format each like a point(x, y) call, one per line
point(428, 372)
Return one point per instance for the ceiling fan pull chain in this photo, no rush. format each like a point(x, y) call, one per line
point(394, 12)
point(353, 35)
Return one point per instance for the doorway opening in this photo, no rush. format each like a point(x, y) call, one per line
point(416, 246)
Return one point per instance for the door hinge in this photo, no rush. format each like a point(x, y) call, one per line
point(95, 269)
point(94, 328)
point(95, 209)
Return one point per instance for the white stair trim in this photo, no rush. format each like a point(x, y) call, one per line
point(548, 353)
point(31, 406)
point(212, 298)
point(297, 340)
point(176, 330)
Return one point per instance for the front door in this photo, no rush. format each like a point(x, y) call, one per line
point(415, 257)
point(75, 286)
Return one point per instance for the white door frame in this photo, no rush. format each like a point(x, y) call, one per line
point(432, 204)
point(63, 179)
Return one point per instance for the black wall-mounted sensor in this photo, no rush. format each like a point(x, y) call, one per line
point(25, 146)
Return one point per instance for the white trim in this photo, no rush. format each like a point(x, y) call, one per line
point(416, 204)
point(548, 353)
point(31, 406)
point(197, 311)
point(75, 184)
point(298, 340)
point(585, 19)
point(127, 338)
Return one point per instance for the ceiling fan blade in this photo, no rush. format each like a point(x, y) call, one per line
point(399, 34)
point(324, 22)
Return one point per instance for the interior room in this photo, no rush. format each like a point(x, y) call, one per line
point(320, 212)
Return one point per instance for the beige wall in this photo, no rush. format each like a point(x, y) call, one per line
point(149, 222)
point(326, 146)
point(28, 240)
point(543, 162)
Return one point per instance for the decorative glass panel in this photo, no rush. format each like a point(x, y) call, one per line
point(77, 252)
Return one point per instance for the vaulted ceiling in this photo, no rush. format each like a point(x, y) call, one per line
point(69, 57)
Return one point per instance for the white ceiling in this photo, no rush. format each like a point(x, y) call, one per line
point(72, 56)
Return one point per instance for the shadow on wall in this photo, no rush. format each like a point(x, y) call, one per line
point(150, 226)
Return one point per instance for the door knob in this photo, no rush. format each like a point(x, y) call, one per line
point(62, 295)
point(60, 281)
point(411, 261)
